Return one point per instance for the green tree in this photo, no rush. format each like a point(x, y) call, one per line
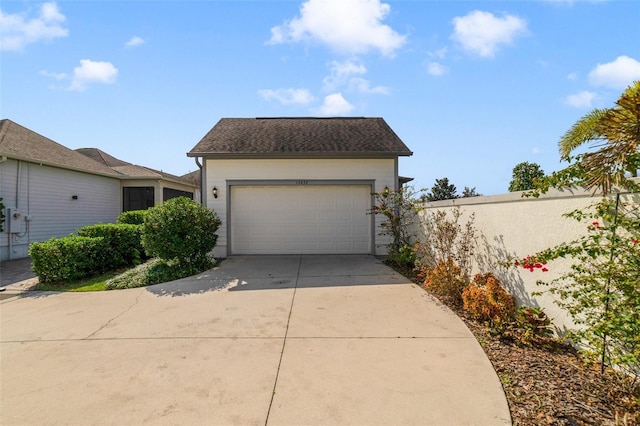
point(442, 190)
point(615, 136)
point(470, 192)
point(524, 176)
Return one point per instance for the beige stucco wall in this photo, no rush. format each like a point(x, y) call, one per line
point(510, 226)
point(220, 171)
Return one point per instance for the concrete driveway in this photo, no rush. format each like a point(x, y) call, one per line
point(264, 340)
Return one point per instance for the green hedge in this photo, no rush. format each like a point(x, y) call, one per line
point(132, 217)
point(124, 243)
point(68, 258)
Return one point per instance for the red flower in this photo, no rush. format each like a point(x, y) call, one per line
point(635, 241)
point(545, 270)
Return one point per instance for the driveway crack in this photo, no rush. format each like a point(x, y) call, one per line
point(284, 341)
point(135, 302)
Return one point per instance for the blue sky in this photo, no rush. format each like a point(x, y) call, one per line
point(472, 87)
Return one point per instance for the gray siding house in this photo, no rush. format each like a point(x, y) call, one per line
point(49, 190)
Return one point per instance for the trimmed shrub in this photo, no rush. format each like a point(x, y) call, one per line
point(154, 271)
point(446, 280)
point(181, 229)
point(67, 259)
point(124, 243)
point(132, 217)
point(487, 301)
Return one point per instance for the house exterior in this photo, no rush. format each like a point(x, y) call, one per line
point(298, 185)
point(143, 187)
point(49, 190)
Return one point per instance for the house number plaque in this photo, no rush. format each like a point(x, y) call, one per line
point(302, 182)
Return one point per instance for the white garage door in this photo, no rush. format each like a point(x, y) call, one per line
point(305, 219)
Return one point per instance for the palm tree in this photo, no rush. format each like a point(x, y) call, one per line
point(615, 133)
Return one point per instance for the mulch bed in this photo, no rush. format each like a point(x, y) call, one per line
point(550, 383)
point(547, 382)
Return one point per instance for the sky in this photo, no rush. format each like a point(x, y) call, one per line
point(471, 87)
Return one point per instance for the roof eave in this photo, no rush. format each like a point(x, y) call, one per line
point(115, 174)
point(232, 155)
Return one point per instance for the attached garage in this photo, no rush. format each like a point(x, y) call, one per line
point(305, 219)
point(298, 185)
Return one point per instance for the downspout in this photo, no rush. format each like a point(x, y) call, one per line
point(202, 200)
point(10, 235)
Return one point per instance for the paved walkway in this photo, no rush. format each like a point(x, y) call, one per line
point(265, 340)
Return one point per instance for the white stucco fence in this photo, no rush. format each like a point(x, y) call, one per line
point(510, 226)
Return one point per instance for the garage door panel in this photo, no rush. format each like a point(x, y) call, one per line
point(300, 219)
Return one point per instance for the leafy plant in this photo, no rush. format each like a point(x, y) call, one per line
point(154, 271)
point(485, 300)
point(530, 323)
point(124, 243)
point(615, 133)
point(181, 230)
point(601, 291)
point(446, 238)
point(132, 217)
point(69, 258)
point(524, 177)
point(446, 280)
point(400, 209)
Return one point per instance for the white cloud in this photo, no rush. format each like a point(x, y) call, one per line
point(347, 74)
point(361, 85)
point(617, 74)
point(55, 76)
point(536, 150)
point(92, 72)
point(134, 41)
point(18, 29)
point(335, 104)
point(288, 96)
point(439, 54)
point(436, 69)
point(341, 73)
point(572, 76)
point(345, 26)
point(580, 100)
point(483, 33)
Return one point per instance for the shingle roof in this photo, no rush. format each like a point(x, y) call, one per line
point(301, 137)
point(129, 170)
point(102, 157)
point(20, 143)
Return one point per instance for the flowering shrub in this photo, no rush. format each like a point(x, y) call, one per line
point(487, 301)
point(530, 264)
point(400, 210)
point(601, 291)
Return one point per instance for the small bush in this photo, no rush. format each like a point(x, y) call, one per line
point(181, 229)
point(132, 217)
point(446, 280)
point(124, 243)
point(487, 301)
point(67, 259)
point(531, 323)
point(155, 271)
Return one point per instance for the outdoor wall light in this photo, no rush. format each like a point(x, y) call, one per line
point(385, 191)
point(214, 191)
